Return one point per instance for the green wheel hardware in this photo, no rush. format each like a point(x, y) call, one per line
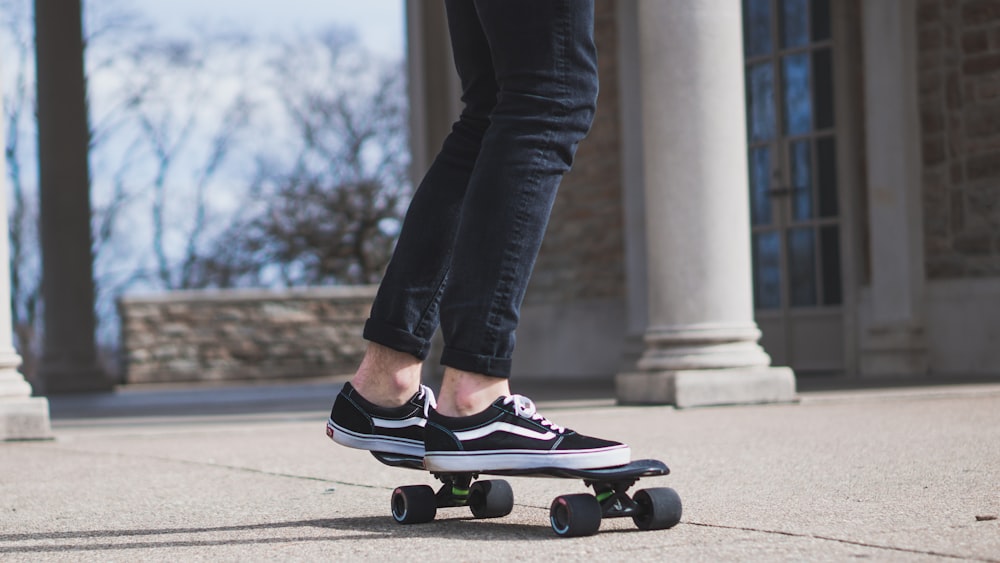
point(491, 499)
point(659, 508)
point(575, 515)
point(414, 504)
point(460, 495)
point(601, 497)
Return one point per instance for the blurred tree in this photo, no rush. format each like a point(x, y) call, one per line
point(186, 106)
point(331, 213)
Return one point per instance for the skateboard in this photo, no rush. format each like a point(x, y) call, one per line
point(570, 515)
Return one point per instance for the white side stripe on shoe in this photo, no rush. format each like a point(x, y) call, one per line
point(412, 421)
point(504, 427)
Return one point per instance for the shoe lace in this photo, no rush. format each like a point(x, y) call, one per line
point(430, 402)
point(525, 408)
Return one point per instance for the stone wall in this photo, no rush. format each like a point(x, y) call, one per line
point(959, 61)
point(582, 256)
point(243, 334)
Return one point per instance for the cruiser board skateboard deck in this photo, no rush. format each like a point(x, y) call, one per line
point(570, 515)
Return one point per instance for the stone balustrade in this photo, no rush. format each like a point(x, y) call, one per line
point(222, 335)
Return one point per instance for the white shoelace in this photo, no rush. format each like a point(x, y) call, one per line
point(525, 408)
point(430, 402)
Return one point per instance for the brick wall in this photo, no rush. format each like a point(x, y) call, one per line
point(243, 334)
point(959, 61)
point(582, 255)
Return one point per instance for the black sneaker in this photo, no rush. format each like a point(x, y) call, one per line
point(511, 435)
point(357, 423)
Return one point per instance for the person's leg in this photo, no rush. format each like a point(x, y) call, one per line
point(546, 68)
point(387, 377)
point(404, 315)
point(464, 392)
point(545, 62)
point(384, 406)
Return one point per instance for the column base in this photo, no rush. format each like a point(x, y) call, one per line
point(632, 350)
point(24, 418)
point(704, 387)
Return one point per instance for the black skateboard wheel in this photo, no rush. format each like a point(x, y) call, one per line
point(491, 499)
point(414, 504)
point(659, 508)
point(575, 515)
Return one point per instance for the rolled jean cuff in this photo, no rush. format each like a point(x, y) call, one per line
point(485, 365)
point(397, 339)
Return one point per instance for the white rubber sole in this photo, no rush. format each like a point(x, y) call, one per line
point(497, 460)
point(386, 444)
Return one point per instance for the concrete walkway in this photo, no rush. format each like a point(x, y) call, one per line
point(247, 474)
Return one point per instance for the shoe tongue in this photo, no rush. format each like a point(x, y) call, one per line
point(521, 405)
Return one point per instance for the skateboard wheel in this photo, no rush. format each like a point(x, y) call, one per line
point(491, 499)
point(414, 504)
point(575, 515)
point(659, 508)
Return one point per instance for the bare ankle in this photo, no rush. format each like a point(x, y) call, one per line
point(464, 393)
point(386, 377)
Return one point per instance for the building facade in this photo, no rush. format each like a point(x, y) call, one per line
point(868, 180)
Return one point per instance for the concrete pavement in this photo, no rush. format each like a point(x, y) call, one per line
point(247, 474)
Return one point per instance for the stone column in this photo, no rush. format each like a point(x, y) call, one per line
point(894, 343)
point(701, 342)
point(434, 88)
point(22, 417)
point(633, 181)
point(69, 354)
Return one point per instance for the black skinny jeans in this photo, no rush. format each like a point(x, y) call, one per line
point(474, 227)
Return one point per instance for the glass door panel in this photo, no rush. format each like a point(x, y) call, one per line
point(794, 209)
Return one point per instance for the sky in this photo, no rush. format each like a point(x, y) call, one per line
point(380, 23)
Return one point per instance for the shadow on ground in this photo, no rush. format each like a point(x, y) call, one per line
point(364, 528)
